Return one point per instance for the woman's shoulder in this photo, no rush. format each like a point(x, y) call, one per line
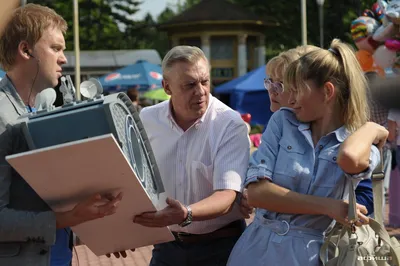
point(284, 115)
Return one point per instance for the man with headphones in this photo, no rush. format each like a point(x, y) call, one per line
point(32, 54)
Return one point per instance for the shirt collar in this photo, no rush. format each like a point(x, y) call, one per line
point(170, 117)
point(341, 133)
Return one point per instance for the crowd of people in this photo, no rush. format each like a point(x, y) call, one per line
point(319, 136)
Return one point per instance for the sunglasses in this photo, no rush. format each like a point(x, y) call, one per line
point(276, 87)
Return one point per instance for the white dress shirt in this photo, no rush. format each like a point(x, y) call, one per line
point(213, 154)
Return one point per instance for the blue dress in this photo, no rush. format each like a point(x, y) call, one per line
point(288, 158)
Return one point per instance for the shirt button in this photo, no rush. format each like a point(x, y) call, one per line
point(334, 158)
point(320, 146)
point(197, 126)
point(262, 161)
point(289, 147)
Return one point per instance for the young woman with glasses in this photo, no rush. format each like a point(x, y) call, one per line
point(297, 177)
point(279, 97)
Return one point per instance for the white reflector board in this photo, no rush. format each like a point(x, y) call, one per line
point(65, 174)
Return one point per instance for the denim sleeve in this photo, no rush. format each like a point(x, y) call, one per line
point(364, 195)
point(374, 160)
point(262, 161)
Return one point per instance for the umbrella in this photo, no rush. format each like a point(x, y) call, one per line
point(141, 75)
point(158, 95)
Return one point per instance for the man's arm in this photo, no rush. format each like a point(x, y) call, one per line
point(19, 225)
point(364, 195)
point(230, 167)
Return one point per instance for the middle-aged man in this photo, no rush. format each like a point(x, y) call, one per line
point(202, 150)
point(32, 53)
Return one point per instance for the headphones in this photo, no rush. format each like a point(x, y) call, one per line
point(28, 53)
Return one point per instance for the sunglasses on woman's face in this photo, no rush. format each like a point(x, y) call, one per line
point(276, 87)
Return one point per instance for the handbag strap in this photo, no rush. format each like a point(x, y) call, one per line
point(377, 188)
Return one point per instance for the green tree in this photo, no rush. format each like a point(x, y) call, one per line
point(182, 6)
point(166, 15)
point(338, 15)
point(101, 22)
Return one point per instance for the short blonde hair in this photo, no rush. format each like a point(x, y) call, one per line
point(27, 23)
point(182, 53)
point(277, 65)
point(338, 65)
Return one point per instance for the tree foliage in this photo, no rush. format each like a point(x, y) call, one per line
point(109, 24)
point(338, 15)
point(102, 23)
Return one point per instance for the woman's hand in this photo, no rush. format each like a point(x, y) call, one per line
point(339, 211)
point(381, 134)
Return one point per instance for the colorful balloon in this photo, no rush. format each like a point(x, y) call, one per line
point(393, 45)
point(361, 30)
point(366, 60)
point(378, 12)
point(384, 57)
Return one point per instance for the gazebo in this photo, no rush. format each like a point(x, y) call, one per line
point(231, 37)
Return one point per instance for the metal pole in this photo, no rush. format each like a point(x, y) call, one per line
point(303, 22)
point(321, 26)
point(77, 50)
point(23, 2)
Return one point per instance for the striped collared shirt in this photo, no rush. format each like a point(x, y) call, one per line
point(211, 155)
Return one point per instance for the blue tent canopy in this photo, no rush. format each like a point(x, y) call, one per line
point(142, 75)
point(248, 95)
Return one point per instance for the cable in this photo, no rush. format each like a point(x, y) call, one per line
point(33, 84)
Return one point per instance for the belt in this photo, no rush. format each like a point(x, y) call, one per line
point(235, 228)
point(283, 228)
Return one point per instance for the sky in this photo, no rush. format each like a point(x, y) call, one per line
point(154, 7)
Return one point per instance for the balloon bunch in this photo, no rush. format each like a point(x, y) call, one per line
point(376, 34)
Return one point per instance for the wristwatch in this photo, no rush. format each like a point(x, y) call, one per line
point(189, 217)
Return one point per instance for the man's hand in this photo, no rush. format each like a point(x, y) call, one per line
point(119, 254)
point(245, 208)
point(93, 208)
point(174, 213)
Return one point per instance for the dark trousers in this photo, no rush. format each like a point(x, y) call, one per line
point(213, 252)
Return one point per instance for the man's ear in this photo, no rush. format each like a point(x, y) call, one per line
point(329, 90)
point(166, 87)
point(24, 50)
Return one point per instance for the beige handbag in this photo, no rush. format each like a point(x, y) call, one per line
point(368, 245)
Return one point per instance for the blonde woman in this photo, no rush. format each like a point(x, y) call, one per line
point(309, 149)
point(279, 97)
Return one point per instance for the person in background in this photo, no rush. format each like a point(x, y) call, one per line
point(202, 150)
point(310, 149)
point(394, 129)
point(133, 94)
point(32, 54)
point(379, 115)
point(279, 97)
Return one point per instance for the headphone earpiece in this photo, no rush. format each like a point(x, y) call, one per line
point(28, 53)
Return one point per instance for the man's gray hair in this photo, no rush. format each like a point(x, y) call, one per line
point(182, 53)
